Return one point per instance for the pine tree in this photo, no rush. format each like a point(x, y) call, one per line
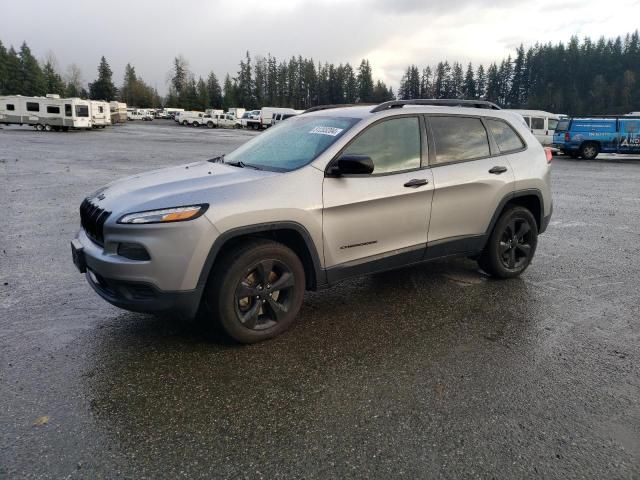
point(493, 84)
point(53, 80)
point(457, 81)
point(202, 93)
point(180, 74)
point(481, 82)
point(103, 88)
point(426, 83)
point(365, 82)
point(469, 88)
point(31, 76)
point(245, 84)
point(127, 91)
point(214, 91)
point(3, 68)
point(350, 84)
point(13, 78)
point(229, 98)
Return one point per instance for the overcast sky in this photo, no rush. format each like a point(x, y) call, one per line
point(214, 35)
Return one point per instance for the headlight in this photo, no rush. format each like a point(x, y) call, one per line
point(166, 215)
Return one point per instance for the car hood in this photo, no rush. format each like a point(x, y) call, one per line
point(175, 186)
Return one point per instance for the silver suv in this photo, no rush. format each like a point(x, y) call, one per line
point(327, 195)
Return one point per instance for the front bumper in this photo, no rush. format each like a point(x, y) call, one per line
point(144, 297)
point(168, 282)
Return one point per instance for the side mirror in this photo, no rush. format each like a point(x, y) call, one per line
point(352, 165)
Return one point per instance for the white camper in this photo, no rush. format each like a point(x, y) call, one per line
point(118, 112)
point(236, 112)
point(45, 113)
point(100, 113)
point(542, 124)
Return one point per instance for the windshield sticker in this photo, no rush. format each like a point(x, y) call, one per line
point(332, 131)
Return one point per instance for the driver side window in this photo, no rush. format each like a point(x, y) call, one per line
point(393, 145)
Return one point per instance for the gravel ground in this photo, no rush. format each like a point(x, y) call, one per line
point(430, 371)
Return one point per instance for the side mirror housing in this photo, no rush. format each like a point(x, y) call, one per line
point(352, 165)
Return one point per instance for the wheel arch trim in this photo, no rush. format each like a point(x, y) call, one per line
point(318, 274)
point(518, 194)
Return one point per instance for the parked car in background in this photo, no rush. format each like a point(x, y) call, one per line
point(587, 137)
point(323, 197)
point(250, 119)
point(45, 113)
point(542, 124)
point(279, 117)
point(192, 118)
point(223, 120)
point(267, 113)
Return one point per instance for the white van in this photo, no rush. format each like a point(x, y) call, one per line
point(266, 115)
point(100, 113)
point(542, 124)
point(45, 113)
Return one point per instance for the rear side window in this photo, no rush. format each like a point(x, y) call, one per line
point(537, 123)
point(33, 107)
point(52, 109)
point(11, 106)
point(393, 145)
point(506, 138)
point(459, 138)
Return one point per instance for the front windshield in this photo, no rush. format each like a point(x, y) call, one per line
point(292, 144)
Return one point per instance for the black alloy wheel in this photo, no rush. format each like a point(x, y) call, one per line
point(511, 245)
point(263, 296)
point(255, 290)
point(515, 243)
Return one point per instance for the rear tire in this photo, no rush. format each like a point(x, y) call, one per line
point(185, 123)
point(210, 125)
point(589, 151)
point(511, 245)
point(47, 128)
point(255, 290)
point(195, 124)
point(39, 127)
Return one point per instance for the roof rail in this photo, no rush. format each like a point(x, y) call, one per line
point(441, 102)
point(342, 105)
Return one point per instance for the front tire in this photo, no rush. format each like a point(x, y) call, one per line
point(256, 290)
point(511, 245)
point(589, 151)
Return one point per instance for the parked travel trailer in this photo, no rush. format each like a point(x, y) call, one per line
point(45, 113)
point(118, 112)
point(542, 124)
point(100, 113)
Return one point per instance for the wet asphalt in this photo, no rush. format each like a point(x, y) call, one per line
point(433, 371)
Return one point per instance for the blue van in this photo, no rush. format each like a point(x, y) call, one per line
point(587, 137)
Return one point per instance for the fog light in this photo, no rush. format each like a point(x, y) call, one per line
point(133, 251)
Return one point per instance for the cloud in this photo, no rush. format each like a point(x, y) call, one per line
point(215, 34)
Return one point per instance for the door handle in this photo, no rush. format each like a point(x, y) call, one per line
point(416, 182)
point(498, 170)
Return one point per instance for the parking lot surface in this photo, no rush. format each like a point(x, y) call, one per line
point(430, 371)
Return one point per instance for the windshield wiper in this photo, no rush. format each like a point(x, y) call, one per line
point(218, 159)
point(236, 164)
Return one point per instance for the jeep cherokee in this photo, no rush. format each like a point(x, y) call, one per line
point(327, 195)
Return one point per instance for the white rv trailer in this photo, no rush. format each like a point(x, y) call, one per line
point(542, 124)
point(118, 112)
point(45, 113)
point(100, 113)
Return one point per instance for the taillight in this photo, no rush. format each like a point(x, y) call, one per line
point(567, 137)
point(549, 154)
